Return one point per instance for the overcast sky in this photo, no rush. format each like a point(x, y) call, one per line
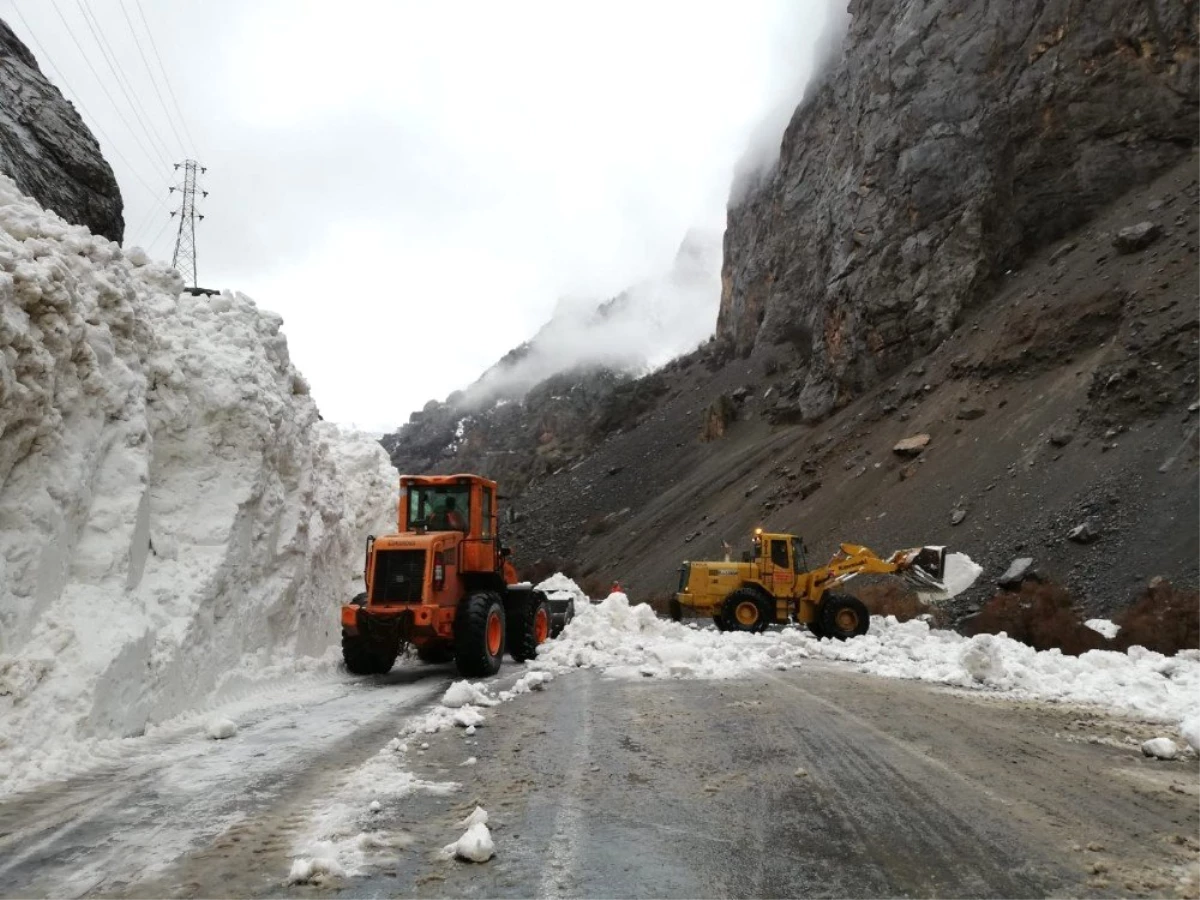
point(414, 186)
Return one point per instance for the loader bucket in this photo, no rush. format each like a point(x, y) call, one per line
point(926, 570)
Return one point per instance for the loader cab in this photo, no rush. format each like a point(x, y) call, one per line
point(780, 560)
point(462, 504)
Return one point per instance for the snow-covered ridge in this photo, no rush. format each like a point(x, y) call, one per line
point(172, 509)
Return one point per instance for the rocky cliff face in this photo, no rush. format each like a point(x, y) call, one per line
point(48, 151)
point(952, 140)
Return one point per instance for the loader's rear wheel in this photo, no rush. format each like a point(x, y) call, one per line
point(815, 627)
point(435, 653)
point(366, 657)
point(719, 622)
point(843, 617)
point(528, 626)
point(479, 635)
point(746, 610)
point(675, 608)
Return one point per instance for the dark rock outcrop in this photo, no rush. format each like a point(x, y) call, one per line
point(954, 139)
point(46, 148)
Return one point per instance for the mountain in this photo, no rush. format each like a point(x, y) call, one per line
point(48, 151)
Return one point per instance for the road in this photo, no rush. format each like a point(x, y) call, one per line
point(815, 782)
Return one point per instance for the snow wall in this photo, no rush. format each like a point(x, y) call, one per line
point(172, 509)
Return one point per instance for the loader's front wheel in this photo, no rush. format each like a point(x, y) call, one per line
point(676, 609)
point(843, 617)
point(746, 610)
point(366, 657)
point(479, 635)
point(528, 626)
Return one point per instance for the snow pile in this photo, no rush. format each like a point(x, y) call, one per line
point(220, 728)
point(559, 587)
point(172, 510)
point(628, 640)
point(462, 693)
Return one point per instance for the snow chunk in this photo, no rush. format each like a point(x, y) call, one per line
point(469, 761)
point(475, 846)
point(1160, 748)
point(462, 693)
point(315, 869)
point(375, 806)
point(960, 573)
point(1104, 627)
point(219, 729)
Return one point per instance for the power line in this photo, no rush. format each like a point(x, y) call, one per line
point(95, 122)
point(154, 240)
point(96, 75)
point(166, 77)
point(114, 66)
point(153, 78)
point(150, 216)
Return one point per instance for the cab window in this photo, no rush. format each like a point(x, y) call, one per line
point(798, 561)
point(779, 553)
point(486, 524)
point(439, 507)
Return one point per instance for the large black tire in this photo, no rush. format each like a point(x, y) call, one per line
point(675, 608)
point(479, 635)
point(719, 622)
point(747, 610)
point(815, 626)
point(842, 616)
point(528, 625)
point(366, 657)
point(435, 653)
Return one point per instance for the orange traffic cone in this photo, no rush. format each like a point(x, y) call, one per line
point(616, 588)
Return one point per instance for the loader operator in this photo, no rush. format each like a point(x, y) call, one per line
point(448, 518)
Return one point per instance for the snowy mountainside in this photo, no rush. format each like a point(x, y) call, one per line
point(172, 508)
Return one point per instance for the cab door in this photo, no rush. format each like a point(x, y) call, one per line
point(780, 575)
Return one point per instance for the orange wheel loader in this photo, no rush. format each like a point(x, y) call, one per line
point(444, 584)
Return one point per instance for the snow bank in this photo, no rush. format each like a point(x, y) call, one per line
point(173, 514)
point(628, 640)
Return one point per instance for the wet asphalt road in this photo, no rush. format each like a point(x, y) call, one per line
point(817, 782)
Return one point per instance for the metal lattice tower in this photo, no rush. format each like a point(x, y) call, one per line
point(185, 240)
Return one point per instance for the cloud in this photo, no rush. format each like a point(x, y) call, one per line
point(393, 178)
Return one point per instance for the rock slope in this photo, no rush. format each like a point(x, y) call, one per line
point(954, 139)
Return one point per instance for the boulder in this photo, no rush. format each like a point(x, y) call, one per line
point(912, 446)
point(1136, 237)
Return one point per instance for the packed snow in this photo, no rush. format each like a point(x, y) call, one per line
point(630, 640)
point(175, 519)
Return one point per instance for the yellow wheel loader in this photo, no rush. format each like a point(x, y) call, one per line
point(773, 585)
